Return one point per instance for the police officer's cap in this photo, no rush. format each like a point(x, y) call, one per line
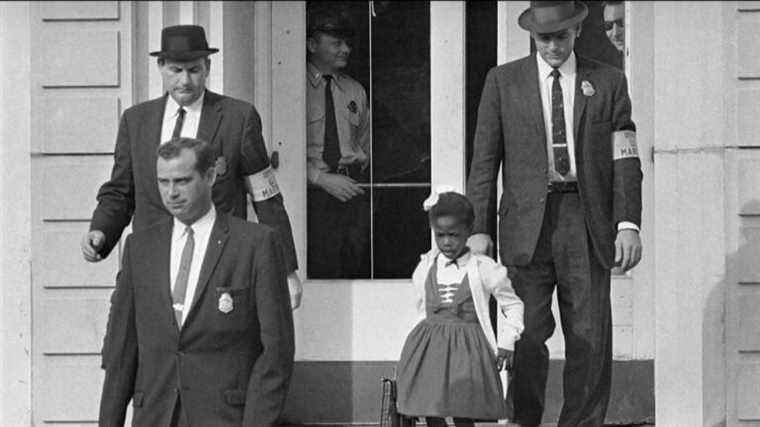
point(330, 22)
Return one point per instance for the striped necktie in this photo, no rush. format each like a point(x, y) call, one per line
point(559, 139)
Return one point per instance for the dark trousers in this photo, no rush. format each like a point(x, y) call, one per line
point(338, 236)
point(179, 418)
point(564, 258)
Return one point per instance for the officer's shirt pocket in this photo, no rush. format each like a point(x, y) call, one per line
point(316, 114)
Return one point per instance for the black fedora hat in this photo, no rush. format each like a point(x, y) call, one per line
point(184, 43)
point(552, 16)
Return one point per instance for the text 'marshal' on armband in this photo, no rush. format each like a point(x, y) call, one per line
point(624, 145)
point(263, 185)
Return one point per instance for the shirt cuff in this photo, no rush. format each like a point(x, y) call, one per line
point(626, 225)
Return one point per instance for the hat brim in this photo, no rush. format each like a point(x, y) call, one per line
point(187, 55)
point(527, 23)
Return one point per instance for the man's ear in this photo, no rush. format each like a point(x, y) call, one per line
point(578, 31)
point(211, 175)
point(311, 44)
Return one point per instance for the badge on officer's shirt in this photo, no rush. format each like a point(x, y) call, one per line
point(352, 107)
point(221, 166)
point(225, 303)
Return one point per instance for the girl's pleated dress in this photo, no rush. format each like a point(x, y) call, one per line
point(447, 368)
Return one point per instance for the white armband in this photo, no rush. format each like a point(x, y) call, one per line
point(624, 145)
point(263, 185)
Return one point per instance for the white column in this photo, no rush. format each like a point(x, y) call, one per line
point(447, 84)
point(288, 110)
point(513, 42)
point(262, 71)
point(155, 25)
point(15, 215)
point(215, 34)
point(186, 12)
point(689, 237)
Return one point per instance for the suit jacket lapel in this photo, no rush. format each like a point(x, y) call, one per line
point(162, 250)
point(530, 98)
point(216, 242)
point(583, 70)
point(151, 136)
point(211, 115)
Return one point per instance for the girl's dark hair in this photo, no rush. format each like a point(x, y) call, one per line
point(453, 204)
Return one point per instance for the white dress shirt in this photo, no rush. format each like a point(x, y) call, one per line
point(567, 82)
point(189, 125)
point(201, 232)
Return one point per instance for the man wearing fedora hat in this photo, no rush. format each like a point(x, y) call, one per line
point(560, 126)
point(187, 109)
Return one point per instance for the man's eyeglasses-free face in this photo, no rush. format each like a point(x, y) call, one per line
point(609, 24)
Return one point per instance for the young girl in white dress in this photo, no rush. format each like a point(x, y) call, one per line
point(450, 363)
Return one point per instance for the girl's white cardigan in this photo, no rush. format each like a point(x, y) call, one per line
point(486, 277)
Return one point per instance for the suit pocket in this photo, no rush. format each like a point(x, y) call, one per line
point(137, 399)
point(234, 397)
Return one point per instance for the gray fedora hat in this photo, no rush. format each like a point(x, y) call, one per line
point(552, 16)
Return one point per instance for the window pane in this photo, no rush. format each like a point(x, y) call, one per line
point(400, 135)
point(401, 92)
point(401, 231)
point(387, 151)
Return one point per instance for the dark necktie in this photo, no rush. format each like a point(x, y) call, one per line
point(178, 123)
point(180, 285)
point(559, 139)
point(331, 150)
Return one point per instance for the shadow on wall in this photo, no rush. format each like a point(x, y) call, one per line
point(732, 326)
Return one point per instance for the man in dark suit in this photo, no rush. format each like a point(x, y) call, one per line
point(232, 128)
point(560, 125)
point(200, 330)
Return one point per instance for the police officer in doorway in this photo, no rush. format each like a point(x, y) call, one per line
point(338, 150)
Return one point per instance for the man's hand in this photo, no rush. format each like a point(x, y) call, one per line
point(505, 359)
point(627, 249)
point(296, 290)
point(480, 243)
point(339, 186)
point(91, 243)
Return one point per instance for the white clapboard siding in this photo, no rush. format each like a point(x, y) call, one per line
point(81, 81)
